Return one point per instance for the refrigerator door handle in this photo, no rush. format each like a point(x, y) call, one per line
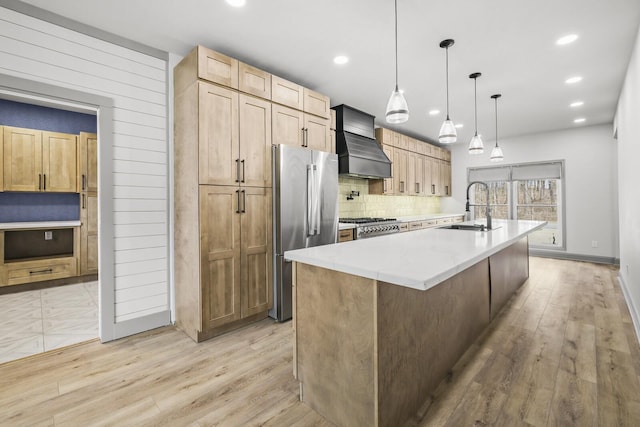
point(316, 200)
point(312, 200)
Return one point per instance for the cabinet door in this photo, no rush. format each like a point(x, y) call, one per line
point(59, 162)
point(89, 233)
point(22, 159)
point(445, 178)
point(288, 125)
point(316, 103)
point(427, 179)
point(435, 177)
point(217, 68)
point(256, 251)
point(255, 142)
point(317, 134)
point(88, 161)
point(219, 154)
point(388, 184)
point(254, 81)
point(411, 174)
point(287, 93)
point(418, 181)
point(220, 255)
point(400, 140)
point(400, 160)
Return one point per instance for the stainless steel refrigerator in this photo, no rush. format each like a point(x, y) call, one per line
point(305, 211)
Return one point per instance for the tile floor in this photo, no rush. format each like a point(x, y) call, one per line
point(32, 322)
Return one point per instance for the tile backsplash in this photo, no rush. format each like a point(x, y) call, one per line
point(377, 205)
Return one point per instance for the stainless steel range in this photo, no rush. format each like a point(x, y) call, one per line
point(372, 227)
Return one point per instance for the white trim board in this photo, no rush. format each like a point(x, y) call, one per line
point(633, 310)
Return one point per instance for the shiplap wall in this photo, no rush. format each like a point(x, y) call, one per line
point(37, 50)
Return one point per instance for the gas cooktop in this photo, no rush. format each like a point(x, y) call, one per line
point(364, 220)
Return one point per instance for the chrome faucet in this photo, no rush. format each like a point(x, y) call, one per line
point(468, 214)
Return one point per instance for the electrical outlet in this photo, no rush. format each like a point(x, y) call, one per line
point(48, 235)
point(594, 243)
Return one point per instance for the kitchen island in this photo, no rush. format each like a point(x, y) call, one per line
point(379, 322)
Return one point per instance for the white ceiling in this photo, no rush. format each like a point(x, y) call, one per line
point(511, 42)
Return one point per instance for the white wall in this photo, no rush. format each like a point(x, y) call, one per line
point(590, 185)
point(134, 198)
point(628, 128)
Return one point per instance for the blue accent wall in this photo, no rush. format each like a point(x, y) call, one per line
point(30, 116)
point(28, 207)
point(31, 207)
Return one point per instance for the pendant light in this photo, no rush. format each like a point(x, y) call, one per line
point(397, 109)
point(496, 153)
point(476, 146)
point(448, 134)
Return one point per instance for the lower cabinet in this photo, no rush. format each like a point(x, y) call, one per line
point(89, 233)
point(345, 235)
point(235, 257)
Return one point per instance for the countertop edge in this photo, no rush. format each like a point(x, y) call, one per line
point(38, 224)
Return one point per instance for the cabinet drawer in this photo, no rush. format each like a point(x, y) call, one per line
point(404, 227)
point(448, 220)
point(416, 225)
point(35, 271)
point(217, 68)
point(345, 235)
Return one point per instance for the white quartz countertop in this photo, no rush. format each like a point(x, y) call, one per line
point(419, 259)
point(428, 216)
point(38, 224)
point(346, 226)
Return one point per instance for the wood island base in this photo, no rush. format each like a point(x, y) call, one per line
point(370, 353)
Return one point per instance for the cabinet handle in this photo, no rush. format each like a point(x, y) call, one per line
point(242, 170)
point(384, 186)
point(402, 186)
point(303, 138)
point(83, 181)
point(244, 201)
point(44, 180)
point(83, 202)
point(433, 189)
point(417, 188)
point(446, 190)
point(39, 182)
point(47, 271)
point(238, 205)
point(237, 170)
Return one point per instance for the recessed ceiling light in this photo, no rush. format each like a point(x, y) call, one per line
point(340, 60)
point(572, 80)
point(459, 125)
point(434, 112)
point(569, 38)
point(580, 120)
point(237, 3)
point(576, 104)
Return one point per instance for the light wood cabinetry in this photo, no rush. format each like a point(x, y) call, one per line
point(417, 168)
point(345, 235)
point(39, 161)
point(287, 93)
point(293, 127)
point(88, 161)
point(317, 133)
point(223, 226)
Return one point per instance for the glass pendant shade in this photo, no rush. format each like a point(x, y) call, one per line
point(397, 108)
point(448, 134)
point(496, 154)
point(476, 146)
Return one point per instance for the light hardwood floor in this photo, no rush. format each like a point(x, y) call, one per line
point(562, 352)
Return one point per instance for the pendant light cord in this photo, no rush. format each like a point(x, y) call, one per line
point(447, 72)
point(396, 35)
point(496, 99)
point(475, 101)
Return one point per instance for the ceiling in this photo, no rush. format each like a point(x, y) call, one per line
point(512, 43)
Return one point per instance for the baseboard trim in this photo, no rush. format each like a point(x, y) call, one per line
point(141, 324)
point(633, 310)
point(573, 257)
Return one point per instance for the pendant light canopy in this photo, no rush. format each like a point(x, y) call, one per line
point(448, 134)
point(397, 109)
point(476, 146)
point(496, 153)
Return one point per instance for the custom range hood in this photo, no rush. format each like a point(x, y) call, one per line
point(358, 152)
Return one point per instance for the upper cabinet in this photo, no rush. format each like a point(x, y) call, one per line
point(88, 149)
point(254, 81)
point(417, 169)
point(39, 161)
point(287, 93)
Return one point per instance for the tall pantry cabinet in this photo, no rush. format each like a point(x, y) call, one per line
point(223, 219)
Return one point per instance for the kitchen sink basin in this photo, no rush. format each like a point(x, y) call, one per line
point(472, 227)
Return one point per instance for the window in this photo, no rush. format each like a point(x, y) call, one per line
point(530, 191)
